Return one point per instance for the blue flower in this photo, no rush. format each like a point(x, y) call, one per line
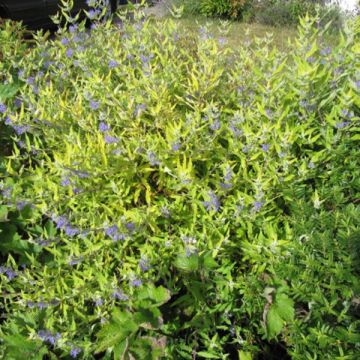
point(213, 204)
point(265, 147)
point(75, 261)
point(215, 125)
point(233, 127)
point(92, 14)
point(21, 129)
point(6, 193)
point(65, 182)
point(20, 205)
point(74, 352)
point(73, 28)
point(103, 127)
point(119, 295)
point(65, 41)
point(176, 146)
point(42, 305)
point(114, 234)
point(257, 206)
point(225, 186)
point(139, 108)
point(69, 53)
point(94, 105)
point(2, 108)
point(99, 302)
point(325, 52)
point(222, 41)
point(8, 271)
point(17, 102)
point(71, 231)
point(112, 64)
point(341, 125)
point(45, 335)
point(153, 160)
point(30, 304)
point(30, 80)
point(110, 139)
point(144, 264)
point(130, 226)
point(310, 59)
point(60, 221)
point(136, 282)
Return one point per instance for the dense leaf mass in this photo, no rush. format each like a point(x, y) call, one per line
point(165, 196)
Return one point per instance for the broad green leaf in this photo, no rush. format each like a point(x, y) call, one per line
point(187, 263)
point(285, 307)
point(274, 322)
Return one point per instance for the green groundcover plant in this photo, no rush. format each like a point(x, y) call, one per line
point(167, 197)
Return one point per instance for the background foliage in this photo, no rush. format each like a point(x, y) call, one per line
point(269, 12)
point(166, 196)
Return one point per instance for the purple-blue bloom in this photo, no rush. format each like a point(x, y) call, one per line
point(65, 181)
point(265, 147)
point(94, 105)
point(103, 127)
point(213, 203)
point(136, 282)
point(130, 226)
point(325, 52)
point(119, 295)
point(110, 139)
point(10, 273)
point(153, 160)
point(65, 41)
point(114, 234)
point(341, 125)
point(144, 264)
point(60, 221)
point(99, 302)
point(112, 64)
point(139, 108)
point(42, 305)
point(310, 59)
point(73, 28)
point(176, 146)
point(257, 206)
point(2, 108)
point(74, 352)
point(215, 125)
point(92, 14)
point(69, 53)
point(75, 261)
point(71, 231)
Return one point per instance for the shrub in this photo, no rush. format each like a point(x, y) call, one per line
point(288, 12)
point(216, 8)
point(183, 200)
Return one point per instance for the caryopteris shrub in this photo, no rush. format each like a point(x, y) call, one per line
point(179, 200)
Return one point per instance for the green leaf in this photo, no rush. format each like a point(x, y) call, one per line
point(148, 318)
point(207, 355)
point(18, 347)
point(120, 349)
point(8, 91)
point(209, 262)
point(3, 213)
point(244, 355)
point(187, 263)
point(120, 326)
point(285, 307)
point(274, 322)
